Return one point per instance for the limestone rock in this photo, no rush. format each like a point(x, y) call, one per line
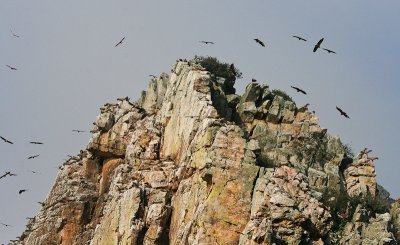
point(193, 163)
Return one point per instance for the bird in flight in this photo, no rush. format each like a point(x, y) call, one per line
point(7, 173)
point(15, 35)
point(34, 172)
point(119, 42)
point(329, 51)
point(153, 76)
point(36, 142)
point(299, 90)
point(22, 191)
point(300, 38)
point(318, 45)
point(5, 225)
point(4, 175)
point(6, 140)
point(32, 157)
point(41, 203)
point(342, 112)
point(12, 68)
point(78, 131)
point(206, 42)
point(259, 41)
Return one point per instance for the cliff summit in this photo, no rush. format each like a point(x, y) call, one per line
point(191, 162)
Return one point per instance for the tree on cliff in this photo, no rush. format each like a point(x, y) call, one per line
point(218, 68)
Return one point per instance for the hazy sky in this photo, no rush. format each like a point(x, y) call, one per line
point(68, 67)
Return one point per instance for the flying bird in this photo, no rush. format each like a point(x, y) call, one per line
point(34, 172)
point(5, 224)
point(7, 173)
point(299, 90)
point(4, 175)
point(32, 157)
point(21, 191)
point(153, 76)
point(12, 68)
point(342, 112)
point(329, 51)
point(78, 131)
point(41, 203)
point(6, 140)
point(300, 38)
point(318, 45)
point(259, 41)
point(119, 42)
point(36, 142)
point(207, 42)
point(15, 35)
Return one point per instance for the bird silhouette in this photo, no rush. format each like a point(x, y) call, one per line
point(329, 51)
point(206, 42)
point(12, 68)
point(15, 35)
point(318, 45)
point(342, 112)
point(299, 90)
point(22, 191)
point(36, 142)
point(78, 131)
point(7, 173)
point(41, 203)
point(153, 76)
point(119, 42)
point(259, 41)
point(6, 225)
point(34, 172)
point(300, 38)
point(6, 140)
point(32, 157)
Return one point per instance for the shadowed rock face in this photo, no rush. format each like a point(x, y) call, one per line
point(192, 163)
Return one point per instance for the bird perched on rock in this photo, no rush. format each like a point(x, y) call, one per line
point(318, 45)
point(259, 42)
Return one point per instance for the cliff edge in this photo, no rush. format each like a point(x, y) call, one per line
point(191, 162)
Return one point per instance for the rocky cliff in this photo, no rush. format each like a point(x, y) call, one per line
point(191, 162)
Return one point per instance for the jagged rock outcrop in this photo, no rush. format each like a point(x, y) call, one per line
point(193, 163)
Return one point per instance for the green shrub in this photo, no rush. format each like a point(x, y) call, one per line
point(284, 95)
point(348, 150)
point(217, 68)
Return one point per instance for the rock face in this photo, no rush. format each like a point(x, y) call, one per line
point(193, 163)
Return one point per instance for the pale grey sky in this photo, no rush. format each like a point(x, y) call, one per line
point(68, 68)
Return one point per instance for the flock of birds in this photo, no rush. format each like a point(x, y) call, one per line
point(316, 47)
point(260, 42)
point(10, 174)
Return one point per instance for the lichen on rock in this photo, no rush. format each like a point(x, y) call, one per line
point(194, 163)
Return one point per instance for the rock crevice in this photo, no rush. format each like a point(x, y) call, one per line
point(193, 163)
